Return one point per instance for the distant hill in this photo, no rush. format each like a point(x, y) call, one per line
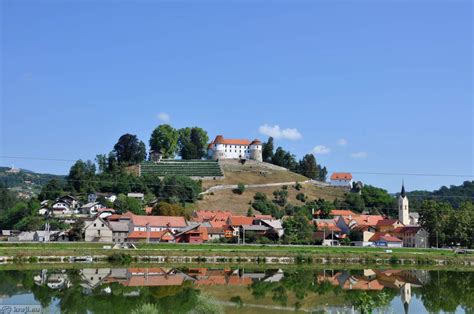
point(25, 181)
point(455, 195)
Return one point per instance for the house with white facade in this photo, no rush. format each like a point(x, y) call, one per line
point(222, 148)
point(343, 179)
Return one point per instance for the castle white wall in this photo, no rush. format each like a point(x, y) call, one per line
point(227, 151)
point(341, 183)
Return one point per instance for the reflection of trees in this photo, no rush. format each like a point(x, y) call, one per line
point(366, 302)
point(300, 282)
point(445, 291)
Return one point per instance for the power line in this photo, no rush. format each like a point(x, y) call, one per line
point(353, 172)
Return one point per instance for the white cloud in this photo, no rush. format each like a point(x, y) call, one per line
point(163, 116)
point(321, 150)
point(359, 155)
point(342, 142)
point(278, 133)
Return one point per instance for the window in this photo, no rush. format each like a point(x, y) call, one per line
point(95, 225)
point(98, 232)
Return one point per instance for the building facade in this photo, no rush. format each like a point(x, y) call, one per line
point(343, 179)
point(222, 148)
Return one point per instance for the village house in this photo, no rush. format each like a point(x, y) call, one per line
point(341, 179)
point(381, 239)
point(388, 225)
point(222, 148)
point(94, 197)
point(91, 208)
point(194, 234)
point(412, 236)
point(151, 236)
point(97, 230)
point(153, 223)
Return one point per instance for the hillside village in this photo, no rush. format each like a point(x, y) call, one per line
point(99, 221)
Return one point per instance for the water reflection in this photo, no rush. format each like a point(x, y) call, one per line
point(206, 290)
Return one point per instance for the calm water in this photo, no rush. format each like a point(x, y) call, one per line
point(244, 290)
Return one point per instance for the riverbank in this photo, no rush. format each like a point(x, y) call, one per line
point(226, 253)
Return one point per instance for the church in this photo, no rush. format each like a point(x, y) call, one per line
point(222, 148)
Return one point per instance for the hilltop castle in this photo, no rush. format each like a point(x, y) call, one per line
point(222, 148)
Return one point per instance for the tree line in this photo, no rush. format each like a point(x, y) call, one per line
point(307, 166)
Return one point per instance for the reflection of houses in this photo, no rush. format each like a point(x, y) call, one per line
point(137, 277)
point(55, 281)
point(375, 280)
point(93, 277)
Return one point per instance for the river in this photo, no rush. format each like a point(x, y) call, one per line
point(158, 289)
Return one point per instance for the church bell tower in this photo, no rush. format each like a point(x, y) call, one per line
point(403, 207)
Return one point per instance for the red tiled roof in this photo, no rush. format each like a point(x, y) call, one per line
point(409, 229)
point(240, 220)
point(169, 221)
point(267, 217)
point(341, 176)
point(342, 212)
point(164, 235)
point(220, 140)
point(384, 236)
point(367, 220)
point(114, 217)
point(387, 222)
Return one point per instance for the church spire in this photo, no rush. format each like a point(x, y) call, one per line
point(403, 194)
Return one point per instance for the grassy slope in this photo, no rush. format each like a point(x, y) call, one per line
point(239, 204)
point(251, 174)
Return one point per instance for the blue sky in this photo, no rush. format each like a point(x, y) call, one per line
point(394, 80)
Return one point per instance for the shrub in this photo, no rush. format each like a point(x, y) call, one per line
point(301, 197)
point(298, 186)
point(240, 188)
point(120, 258)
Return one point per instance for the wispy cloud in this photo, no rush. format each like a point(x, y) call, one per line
point(359, 155)
point(278, 133)
point(321, 150)
point(342, 142)
point(164, 117)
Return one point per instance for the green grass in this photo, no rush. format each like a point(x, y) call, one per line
point(144, 249)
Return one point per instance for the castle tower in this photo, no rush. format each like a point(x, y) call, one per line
point(403, 208)
point(255, 149)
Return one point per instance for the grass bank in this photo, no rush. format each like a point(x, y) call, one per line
point(236, 253)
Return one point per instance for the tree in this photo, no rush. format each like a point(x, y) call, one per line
point(281, 197)
point(308, 167)
point(101, 160)
point(180, 188)
point(7, 199)
point(433, 217)
point(192, 143)
point(240, 188)
point(52, 190)
point(250, 212)
point(297, 230)
point(379, 201)
point(129, 150)
point(81, 177)
point(75, 233)
point(124, 204)
point(267, 150)
point(164, 139)
point(167, 209)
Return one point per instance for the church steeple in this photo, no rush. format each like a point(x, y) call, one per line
point(402, 193)
point(403, 209)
